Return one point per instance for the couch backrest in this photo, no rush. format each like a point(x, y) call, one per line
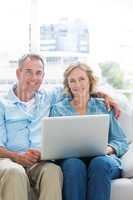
point(126, 122)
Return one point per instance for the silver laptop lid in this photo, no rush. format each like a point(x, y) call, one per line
point(74, 136)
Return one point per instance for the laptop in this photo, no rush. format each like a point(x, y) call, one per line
point(74, 136)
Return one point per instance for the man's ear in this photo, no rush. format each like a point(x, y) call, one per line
point(17, 73)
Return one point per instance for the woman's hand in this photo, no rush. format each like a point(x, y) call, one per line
point(110, 150)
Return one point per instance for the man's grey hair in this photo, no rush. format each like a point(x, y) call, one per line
point(31, 57)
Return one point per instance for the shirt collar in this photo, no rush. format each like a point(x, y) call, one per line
point(12, 96)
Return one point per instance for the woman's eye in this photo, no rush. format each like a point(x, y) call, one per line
point(72, 81)
point(81, 79)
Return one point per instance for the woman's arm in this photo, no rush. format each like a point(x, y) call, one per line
point(117, 138)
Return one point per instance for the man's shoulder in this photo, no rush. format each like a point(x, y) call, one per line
point(4, 101)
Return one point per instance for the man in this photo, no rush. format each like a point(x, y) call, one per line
point(20, 115)
point(21, 112)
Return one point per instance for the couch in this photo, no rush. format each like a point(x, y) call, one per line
point(122, 188)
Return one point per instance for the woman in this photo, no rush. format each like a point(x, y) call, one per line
point(89, 178)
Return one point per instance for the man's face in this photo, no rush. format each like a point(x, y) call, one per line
point(30, 75)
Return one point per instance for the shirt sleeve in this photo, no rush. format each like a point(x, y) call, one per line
point(57, 94)
point(54, 111)
point(3, 136)
point(117, 138)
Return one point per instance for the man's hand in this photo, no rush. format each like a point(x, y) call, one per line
point(110, 103)
point(27, 159)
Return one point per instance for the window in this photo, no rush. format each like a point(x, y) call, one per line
point(97, 32)
point(14, 36)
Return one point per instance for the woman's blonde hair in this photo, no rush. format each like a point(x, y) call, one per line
point(92, 78)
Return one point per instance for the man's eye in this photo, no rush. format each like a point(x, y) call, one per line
point(39, 73)
point(28, 72)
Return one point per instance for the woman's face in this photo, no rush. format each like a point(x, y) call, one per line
point(78, 82)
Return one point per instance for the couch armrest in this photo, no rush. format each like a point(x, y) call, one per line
point(127, 163)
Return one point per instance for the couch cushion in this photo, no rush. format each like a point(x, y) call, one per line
point(126, 122)
point(127, 163)
point(122, 189)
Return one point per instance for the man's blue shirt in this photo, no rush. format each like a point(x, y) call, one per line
point(19, 129)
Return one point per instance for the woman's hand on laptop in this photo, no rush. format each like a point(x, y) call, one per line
point(110, 150)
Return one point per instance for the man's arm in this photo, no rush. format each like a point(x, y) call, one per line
point(57, 94)
point(110, 103)
point(26, 159)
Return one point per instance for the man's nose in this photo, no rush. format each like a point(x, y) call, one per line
point(34, 76)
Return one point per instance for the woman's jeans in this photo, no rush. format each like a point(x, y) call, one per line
point(89, 179)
